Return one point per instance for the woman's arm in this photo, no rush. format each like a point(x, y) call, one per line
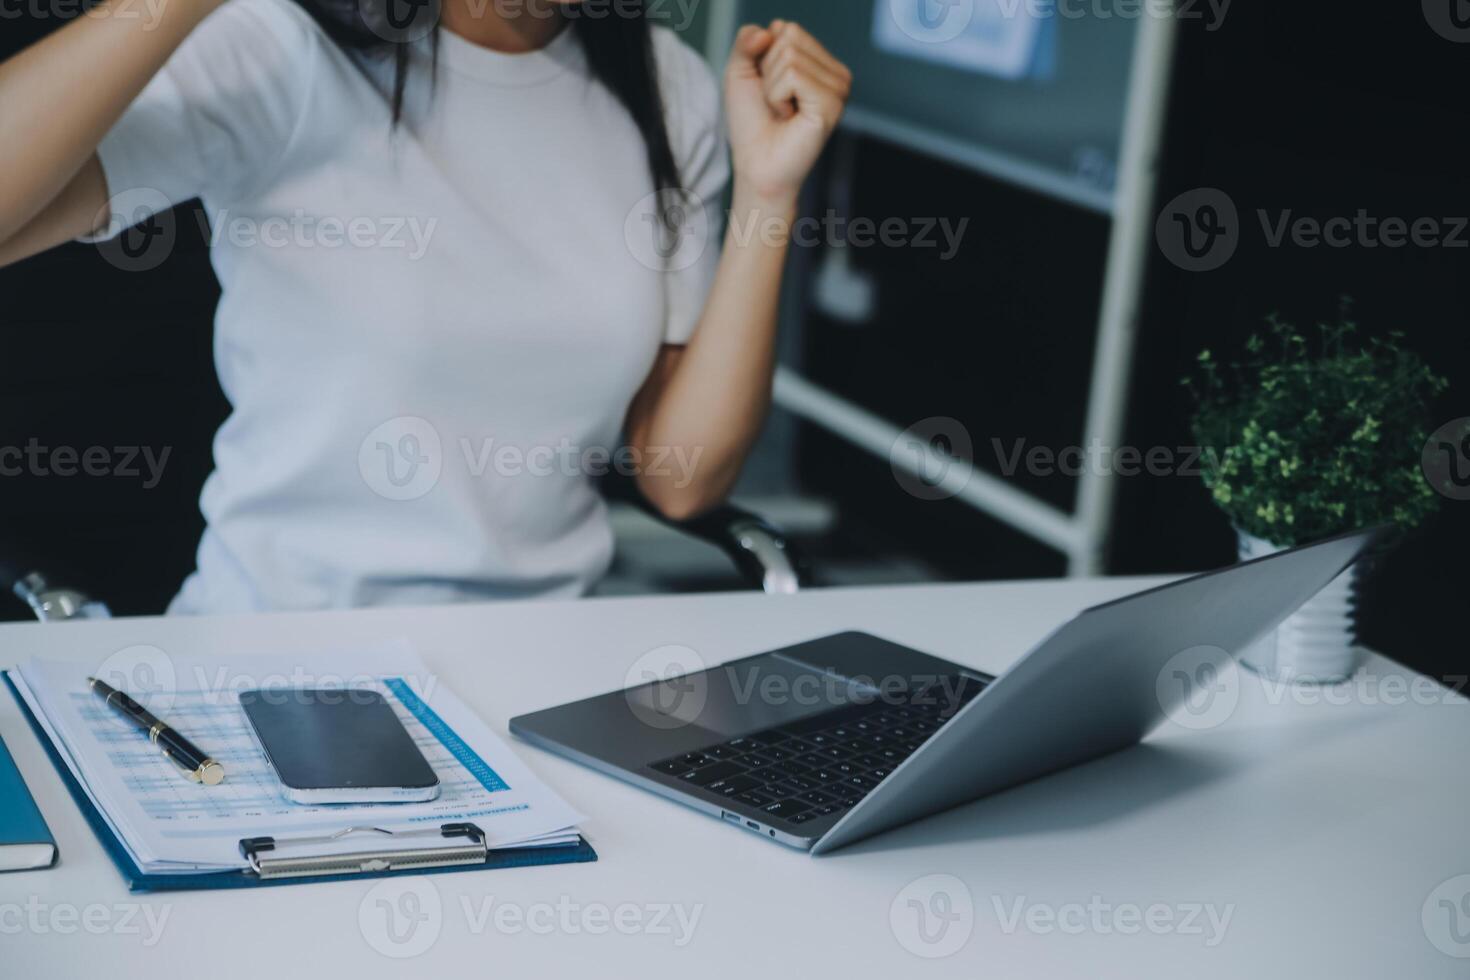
point(60, 98)
point(785, 94)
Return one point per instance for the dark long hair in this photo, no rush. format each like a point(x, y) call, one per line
point(617, 40)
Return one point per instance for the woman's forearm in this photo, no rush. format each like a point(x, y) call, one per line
point(713, 402)
point(784, 94)
point(60, 96)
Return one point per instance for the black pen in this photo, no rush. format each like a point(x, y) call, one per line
point(175, 747)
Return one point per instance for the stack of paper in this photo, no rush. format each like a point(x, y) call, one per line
point(171, 825)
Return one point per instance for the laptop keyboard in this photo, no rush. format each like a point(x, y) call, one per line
point(826, 764)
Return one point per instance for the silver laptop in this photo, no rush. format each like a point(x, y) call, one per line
point(824, 743)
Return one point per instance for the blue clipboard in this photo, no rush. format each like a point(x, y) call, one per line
point(580, 852)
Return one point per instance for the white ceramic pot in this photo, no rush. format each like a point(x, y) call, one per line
point(1319, 643)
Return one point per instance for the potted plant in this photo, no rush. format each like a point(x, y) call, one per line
point(1309, 437)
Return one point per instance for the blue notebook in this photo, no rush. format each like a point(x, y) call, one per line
point(139, 881)
point(25, 840)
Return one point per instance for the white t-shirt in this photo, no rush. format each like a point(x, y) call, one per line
point(429, 337)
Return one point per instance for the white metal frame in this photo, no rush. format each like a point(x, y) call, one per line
point(1081, 536)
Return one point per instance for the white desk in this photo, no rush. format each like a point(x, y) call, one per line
point(1320, 829)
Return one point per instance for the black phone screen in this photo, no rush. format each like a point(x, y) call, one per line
point(336, 740)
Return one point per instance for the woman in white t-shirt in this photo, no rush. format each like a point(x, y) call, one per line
point(467, 262)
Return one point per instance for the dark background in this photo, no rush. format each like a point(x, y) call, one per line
point(1286, 106)
point(1315, 110)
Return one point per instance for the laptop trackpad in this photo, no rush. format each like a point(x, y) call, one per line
point(746, 696)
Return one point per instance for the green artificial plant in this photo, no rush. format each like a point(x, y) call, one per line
point(1308, 437)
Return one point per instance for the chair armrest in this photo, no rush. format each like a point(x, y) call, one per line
point(762, 553)
point(760, 550)
point(50, 603)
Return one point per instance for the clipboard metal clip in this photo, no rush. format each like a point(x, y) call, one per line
point(464, 845)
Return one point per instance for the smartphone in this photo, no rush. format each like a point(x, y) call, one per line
point(341, 746)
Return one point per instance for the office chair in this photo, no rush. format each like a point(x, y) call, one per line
point(182, 293)
point(761, 553)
